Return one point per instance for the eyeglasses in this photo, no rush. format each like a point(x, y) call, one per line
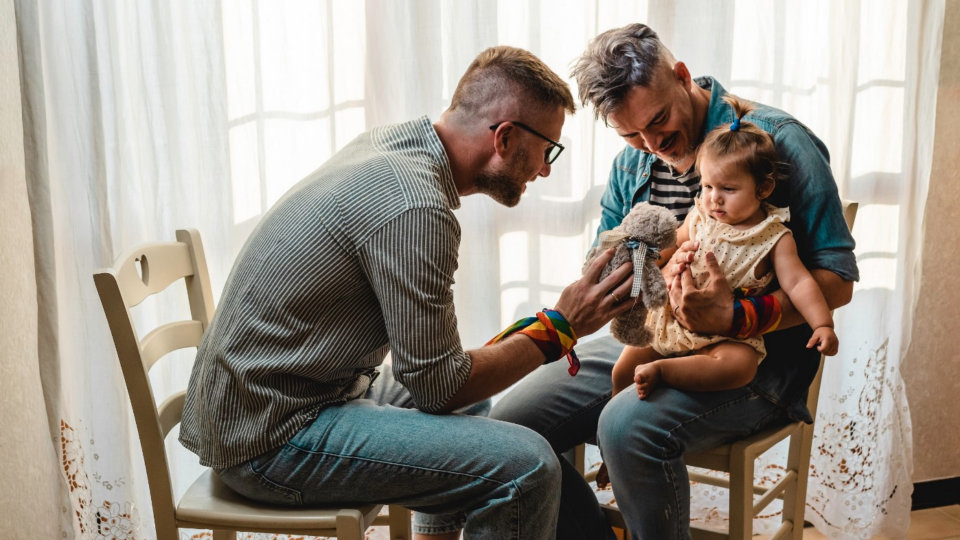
point(551, 153)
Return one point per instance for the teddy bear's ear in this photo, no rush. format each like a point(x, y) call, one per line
point(590, 258)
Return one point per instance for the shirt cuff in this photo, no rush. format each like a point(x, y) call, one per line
point(841, 262)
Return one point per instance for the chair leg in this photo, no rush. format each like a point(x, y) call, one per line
point(400, 523)
point(795, 497)
point(224, 535)
point(741, 494)
point(350, 525)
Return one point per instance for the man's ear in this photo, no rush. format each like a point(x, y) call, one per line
point(502, 138)
point(682, 74)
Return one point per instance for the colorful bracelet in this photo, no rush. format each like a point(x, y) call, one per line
point(551, 333)
point(754, 316)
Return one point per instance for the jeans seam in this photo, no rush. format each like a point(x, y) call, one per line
point(430, 530)
point(763, 421)
point(676, 496)
point(671, 477)
point(281, 488)
point(400, 465)
point(307, 425)
point(516, 510)
point(766, 395)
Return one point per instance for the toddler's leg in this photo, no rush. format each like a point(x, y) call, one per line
point(630, 358)
point(722, 366)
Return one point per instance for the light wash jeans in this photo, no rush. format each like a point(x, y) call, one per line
point(493, 479)
point(642, 441)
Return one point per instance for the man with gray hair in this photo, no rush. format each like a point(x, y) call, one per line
point(357, 260)
point(637, 87)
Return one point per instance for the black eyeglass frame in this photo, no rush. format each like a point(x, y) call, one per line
point(546, 153)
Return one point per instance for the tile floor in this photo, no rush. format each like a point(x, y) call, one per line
point(931, 524)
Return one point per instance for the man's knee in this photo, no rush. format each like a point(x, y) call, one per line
point(534, 460)
point(628, 430)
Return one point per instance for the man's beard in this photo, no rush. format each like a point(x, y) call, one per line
point(502, 186)
point(682, 163)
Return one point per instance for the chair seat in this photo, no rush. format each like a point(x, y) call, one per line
point(717, 458)
point(210, 503)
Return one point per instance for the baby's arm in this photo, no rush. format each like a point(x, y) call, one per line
point(804, 292)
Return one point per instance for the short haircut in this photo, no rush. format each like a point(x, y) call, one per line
point(502, 71)
point(615, 62)
point(748, 146)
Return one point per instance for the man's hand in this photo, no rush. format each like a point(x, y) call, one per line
point(588, 305)
point(708, 310)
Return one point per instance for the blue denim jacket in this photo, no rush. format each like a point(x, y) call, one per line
point(817, 224)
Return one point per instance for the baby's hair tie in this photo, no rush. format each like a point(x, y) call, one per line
point(735, 125)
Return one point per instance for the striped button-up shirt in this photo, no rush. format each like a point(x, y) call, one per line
point(354, 261)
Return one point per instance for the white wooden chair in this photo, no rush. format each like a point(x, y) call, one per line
point(208, 503)
point(738, 458)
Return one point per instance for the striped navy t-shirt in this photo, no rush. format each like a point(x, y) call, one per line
point(673, 191)
point(355, 260)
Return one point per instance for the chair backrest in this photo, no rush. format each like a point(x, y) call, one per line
point(138, 273)
point(813, 394)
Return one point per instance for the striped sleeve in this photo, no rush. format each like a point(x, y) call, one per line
point(410, 262)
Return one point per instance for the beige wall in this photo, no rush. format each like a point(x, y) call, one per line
point(931, 368)
point(29, 472)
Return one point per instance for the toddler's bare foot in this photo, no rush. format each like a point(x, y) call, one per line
point(646, 376)
point(603, 477)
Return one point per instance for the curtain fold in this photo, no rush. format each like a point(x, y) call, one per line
point(30, 500)
point(144, 117)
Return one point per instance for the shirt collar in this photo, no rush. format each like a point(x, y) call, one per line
point(444, 174)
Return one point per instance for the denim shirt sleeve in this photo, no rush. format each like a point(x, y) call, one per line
point(823, 239)
point(624, 189)
point(611, 204)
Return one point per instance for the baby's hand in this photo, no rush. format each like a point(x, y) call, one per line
point(646, 376)
point(825, 339)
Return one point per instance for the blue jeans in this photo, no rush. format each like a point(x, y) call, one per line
point(642, 441)
point(493, 479)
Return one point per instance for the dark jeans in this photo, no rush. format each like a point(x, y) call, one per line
point(642, 441)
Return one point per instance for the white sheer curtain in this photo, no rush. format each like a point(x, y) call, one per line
point(144, 117)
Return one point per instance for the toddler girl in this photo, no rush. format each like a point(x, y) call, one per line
point(738, 171)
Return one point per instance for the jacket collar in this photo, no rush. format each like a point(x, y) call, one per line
point(718, 112)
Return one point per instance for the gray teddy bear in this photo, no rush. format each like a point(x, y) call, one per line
point(645, 231)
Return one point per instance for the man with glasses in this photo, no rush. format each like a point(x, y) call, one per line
point(357, 260)
point(636, 86)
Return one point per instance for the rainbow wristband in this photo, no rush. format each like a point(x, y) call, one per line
point(754, 316)
point(551, 333)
